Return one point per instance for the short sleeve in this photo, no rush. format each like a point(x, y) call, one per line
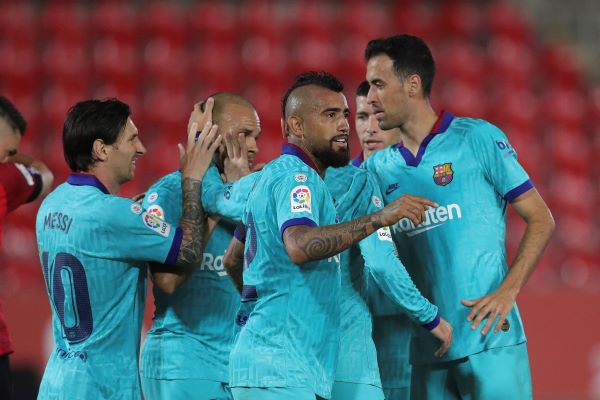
point(499, 161)
point(298, 200)
point(20, 185)
point(150, 238)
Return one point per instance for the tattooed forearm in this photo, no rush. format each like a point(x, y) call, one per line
point(191, 223)
point(307, 244)
point(233, 262)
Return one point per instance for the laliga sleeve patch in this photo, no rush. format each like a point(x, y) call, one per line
point(157, 211)
point(136, 208)
point(300, 199)
point(384, 234)
point(155, 224)
point(152, 197)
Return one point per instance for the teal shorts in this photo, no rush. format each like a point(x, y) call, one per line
point(273, 393)
point(180, 389)
point(355, 391)
point(397, 393)
point(496, 374)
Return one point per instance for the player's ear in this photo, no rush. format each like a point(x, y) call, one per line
point(99, 150)
point(414, 85)
point(295, 126)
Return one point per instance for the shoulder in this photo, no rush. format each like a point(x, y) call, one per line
point(169, 181)
point(381, 158)
point(475, 130)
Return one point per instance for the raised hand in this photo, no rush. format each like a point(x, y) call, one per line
point(196, 158)
point(202, 117)
point(236, 163)
point(406, 206)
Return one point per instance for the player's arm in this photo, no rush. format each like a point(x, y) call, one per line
point(305, 243)
point(195, 160)
point(233, 261)
point(45, 174)
point(540, 225)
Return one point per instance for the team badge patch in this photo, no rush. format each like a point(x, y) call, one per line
point(300, 200)
point(156, 224)
point(384, 234)
point(443, 174)
point(152, 197)
point(157, 211)
point(300, 178)
point(376, 201)
point(136, 208)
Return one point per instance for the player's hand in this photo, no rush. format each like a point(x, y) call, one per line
point(494, 306)
point(236, 163)
point(406, 206)
point(202, 117)
point(196, 158)
point(444, 333)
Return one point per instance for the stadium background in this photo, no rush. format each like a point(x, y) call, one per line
point(529, 67)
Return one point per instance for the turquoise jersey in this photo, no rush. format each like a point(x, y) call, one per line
point(469, 168)
point(192, 329)
point(94, 248)
point(355, 195)
point(290, 313)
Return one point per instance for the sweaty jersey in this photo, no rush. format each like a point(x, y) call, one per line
point(468, 167)
point(355, 195)
point(94, 248)
point(18, 185)
point(192, 329)
point(290, 313)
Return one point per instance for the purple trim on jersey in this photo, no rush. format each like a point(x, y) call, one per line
point(175, 246)
point(296, 221)
point(358, 160)
point(240, 233)
point(519, 190)
point(433, 324)
point(249, 293)
point(440, 126)
point(79, 179)
point(294, 150)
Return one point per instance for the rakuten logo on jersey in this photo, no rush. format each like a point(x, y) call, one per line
point(434, 218)
point(212, 263)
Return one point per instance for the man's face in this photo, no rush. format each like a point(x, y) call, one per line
point(235, 119)
point(9, 140)
point(326, 127)
point(387, 95)
point(124, 153)
point(371, 137)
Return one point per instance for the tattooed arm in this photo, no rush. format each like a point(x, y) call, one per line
point(304, 243)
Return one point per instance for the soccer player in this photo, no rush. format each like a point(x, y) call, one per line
point(287, 346)
point(94, 247)
point(186, 352)
point(22, 180)
point(456, 256)
point(392, 327)
point(370, 136)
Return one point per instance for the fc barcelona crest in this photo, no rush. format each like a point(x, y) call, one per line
point(443, 174)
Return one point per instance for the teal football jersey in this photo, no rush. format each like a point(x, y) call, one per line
point(290, 313)
point(356, 194)
point(94, 248)
point(192, 329)
point(469, 168)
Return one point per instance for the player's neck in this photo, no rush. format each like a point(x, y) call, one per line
point(320, 166)
point(418, 127)
point(106, 179)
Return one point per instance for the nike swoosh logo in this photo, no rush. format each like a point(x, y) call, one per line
point(391, 188)
point(421, 230)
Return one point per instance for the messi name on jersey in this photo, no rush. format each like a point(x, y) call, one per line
point(443, 174)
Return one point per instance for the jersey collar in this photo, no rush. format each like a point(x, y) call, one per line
point(80, 179)
point(292, 149)
point(358, 160)
point(440, 126)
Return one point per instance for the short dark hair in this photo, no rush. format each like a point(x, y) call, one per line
point(12, 116)
point(363, 89)
point(90, 120)
point(319, 78)
point(410, 55)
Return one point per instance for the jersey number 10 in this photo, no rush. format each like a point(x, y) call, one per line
point(67, 287)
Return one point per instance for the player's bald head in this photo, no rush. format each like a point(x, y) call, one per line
point(225, 102)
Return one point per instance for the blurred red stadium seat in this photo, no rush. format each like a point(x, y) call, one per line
point(213, 21)
point(117, 21)
point(66, 23)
